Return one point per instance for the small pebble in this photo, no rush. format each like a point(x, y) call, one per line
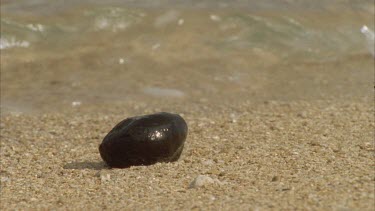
point(104, 176)
point(156, 46)
point(144, 140)
point(76, 103)
point(208, 162)
point(202, 180)
point(180, 22)
point(215, 18)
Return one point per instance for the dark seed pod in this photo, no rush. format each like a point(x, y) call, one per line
point(144, 140)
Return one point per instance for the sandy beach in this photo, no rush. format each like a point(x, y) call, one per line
point(263, 156)
point(278, 98)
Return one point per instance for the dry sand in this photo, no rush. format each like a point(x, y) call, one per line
point(305, 155)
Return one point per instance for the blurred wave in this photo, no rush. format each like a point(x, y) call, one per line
point(79, 51)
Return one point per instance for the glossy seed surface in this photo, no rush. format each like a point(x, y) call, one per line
point(144, 140)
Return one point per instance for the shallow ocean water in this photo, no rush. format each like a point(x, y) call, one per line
point(56, 55)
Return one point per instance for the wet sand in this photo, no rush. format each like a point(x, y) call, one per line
point(271, 155)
